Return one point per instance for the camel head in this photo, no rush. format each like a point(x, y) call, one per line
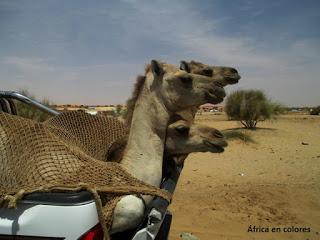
point(224, 75)
point(184, 138)
point(179, 89)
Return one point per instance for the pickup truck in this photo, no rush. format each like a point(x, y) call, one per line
point(72, 216)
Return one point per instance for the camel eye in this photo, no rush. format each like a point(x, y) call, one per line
point(183, 130)
point(207, 72)
point(184, 66)
point(187, 81)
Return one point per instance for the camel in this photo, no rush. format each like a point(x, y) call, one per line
point(182, 138)
point(221, 74)
point(178, 146)
point(164, 90)
point(228, 75)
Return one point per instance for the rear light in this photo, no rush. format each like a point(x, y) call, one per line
point(96, 233)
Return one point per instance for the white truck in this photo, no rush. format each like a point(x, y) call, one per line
point(72, 216)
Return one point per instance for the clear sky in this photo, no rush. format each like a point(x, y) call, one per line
point(89, 52)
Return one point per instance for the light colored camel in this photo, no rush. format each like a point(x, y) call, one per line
point(163, 91)
point(182, 138)
point(227, 75)
point(222, 75)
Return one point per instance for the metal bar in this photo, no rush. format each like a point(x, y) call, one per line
point(4, 105)
point(157, 209)
point(12, 106)
point(27, 100)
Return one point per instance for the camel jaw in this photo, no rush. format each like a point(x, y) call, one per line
point(215, 97)
point(233, 79)
point(214, 146)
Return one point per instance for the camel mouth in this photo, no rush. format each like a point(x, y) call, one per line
point(212, 98)
point(233, 79)
point(216, 95)
point(217, 146)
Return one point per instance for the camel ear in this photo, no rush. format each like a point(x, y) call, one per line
point(156, 68)
point(184, 66)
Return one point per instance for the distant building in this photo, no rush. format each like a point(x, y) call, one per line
point(208, 107)
point(93, 110)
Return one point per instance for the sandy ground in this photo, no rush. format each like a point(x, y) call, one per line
point(274, 182)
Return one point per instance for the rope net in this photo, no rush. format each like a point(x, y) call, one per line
point(66, 153)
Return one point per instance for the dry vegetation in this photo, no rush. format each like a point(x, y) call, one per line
point(32, 112)
point(271, 181)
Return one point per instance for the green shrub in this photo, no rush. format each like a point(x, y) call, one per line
point(251, 106)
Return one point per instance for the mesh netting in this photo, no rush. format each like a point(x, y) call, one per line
point(93, 134)
point(58, 155)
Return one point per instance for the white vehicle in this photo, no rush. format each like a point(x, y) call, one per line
point(72, 216)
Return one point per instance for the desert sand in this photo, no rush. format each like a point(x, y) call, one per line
point(271, 183)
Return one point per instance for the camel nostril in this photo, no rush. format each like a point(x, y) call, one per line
point(233, 70)
point(217, 134)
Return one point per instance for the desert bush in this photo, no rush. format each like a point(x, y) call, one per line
point(32, 112)
point(277, 108)
point(315, 111)
point(251, 106)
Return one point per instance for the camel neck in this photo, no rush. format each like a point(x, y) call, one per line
point(143, 155)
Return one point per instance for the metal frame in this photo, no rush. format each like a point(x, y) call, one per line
point(158, 218)
point(158, 212)
point(8, 95)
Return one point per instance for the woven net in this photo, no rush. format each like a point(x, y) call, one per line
point(93, 134)
point(58, 155)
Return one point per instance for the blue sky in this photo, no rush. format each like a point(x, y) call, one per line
point(89, 52)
